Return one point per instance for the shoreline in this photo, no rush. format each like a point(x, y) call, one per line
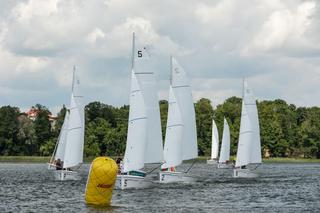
point(45, 159)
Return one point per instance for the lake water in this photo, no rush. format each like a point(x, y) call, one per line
point(280, 188)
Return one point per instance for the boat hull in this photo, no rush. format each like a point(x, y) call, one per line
point(225, 165)
point(244, 173)
point(212, 162)
point(64, 175)
point(171, 177)
point(132, 182)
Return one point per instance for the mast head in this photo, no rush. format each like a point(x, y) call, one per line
point(73, 77)
point(171, 69)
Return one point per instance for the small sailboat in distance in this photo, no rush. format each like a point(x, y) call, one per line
point(249, 147)
point(215, 144)
point(144, 139)
point(181, 135)
point(224, 158)
point(68, 154)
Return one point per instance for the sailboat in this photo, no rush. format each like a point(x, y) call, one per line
point(144, 139)
point(181, 135)
point(249, 147)
point(215, 144)
point(68, 153)
point(224, 158)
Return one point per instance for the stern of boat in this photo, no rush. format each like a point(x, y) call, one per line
point(171, 177)
point(212, 161)
point(125, 181)
point(244, 173)
point(64, 175)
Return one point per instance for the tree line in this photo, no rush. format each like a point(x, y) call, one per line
point(285, 130)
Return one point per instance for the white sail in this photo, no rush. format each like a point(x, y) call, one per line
point(73, 155)
point(74, 140)
point(251, 106)
point(249, 139)
point(182, 91)
point(215, 141)
point(225, 145)
point(143, 69)
point(137, 129)
point(173, 140)
point(62, 138)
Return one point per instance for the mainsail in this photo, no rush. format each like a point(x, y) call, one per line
point(215, 141)
point(142, 66)
point(181, 89)
point(144, 104)
point(249, 148)
point(225, 145)
point(74, 141)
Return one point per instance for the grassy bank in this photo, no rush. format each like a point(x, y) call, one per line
point(32, 159)
point(290, 160)
point(41, 159)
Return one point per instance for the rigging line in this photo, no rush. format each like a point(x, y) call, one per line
point(155, 168)
point(256, 166)
point(182, 86)
point(195, 160)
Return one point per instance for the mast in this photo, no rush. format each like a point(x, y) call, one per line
point(73, 77)
point(133, 49)
point(171, 72)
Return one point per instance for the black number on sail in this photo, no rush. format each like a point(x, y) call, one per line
point(139, 54)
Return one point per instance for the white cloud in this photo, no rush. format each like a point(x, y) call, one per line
point(274, 43)
point(285, 28)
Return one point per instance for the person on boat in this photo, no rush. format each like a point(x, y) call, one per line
point(59, 164)
point(120, 165)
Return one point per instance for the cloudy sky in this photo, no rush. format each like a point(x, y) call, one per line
point(274, 43)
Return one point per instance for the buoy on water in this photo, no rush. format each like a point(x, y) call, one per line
point(101, 179)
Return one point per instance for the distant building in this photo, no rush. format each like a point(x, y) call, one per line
point(33, 113)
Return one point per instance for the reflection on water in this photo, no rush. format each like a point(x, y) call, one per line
point(280, 188)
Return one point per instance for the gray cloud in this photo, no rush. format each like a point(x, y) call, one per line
point(273, 43)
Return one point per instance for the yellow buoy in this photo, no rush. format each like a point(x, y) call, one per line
point(101, 179)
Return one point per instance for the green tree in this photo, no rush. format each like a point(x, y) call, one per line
point(9, 130)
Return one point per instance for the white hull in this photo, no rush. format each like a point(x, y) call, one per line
point(212, 162)
point(131, 182)
point(244, 173)
point(171, 177)
point(62, 175)
point(225, 165)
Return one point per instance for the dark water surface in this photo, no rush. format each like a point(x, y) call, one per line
point(280, 188)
